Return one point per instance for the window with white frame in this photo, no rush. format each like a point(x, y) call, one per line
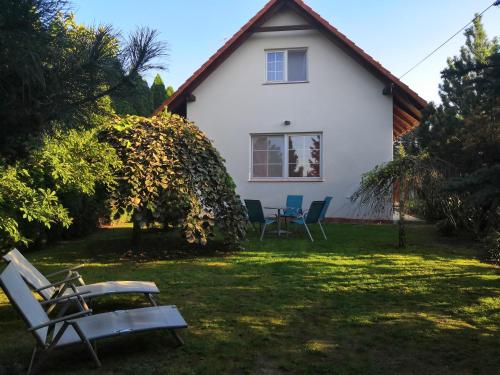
point(286, 156)
point(289, 65)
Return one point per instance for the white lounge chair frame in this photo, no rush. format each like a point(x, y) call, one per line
point(81, 327)
point(51, 290)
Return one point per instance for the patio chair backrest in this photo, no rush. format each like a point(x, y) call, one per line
point(314, 212)
point(255, 212)
point(325, 208)
point(293, 204)
point(21, 297)
point(32, 276)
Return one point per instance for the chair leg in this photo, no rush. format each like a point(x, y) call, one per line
point(263, 231)
point(42, 356)
point(178, 338)
point(322, 230)
point(308, 232)
point(151, 299)
point(32, 361)
point(87, 343)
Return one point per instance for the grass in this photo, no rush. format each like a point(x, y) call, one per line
point(354, 304)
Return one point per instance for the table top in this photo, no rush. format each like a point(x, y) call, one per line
point(275, 208)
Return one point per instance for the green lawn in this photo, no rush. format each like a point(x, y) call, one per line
point(353, 304)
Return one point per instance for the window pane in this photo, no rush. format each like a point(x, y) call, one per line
point(295, 170)
point(313, 156)
point(275, 143)
point(275, 66)
point(275, 157)
point(267, 155)
point(259, 170)
point(260, 157)
point(297, 157)
point(313, 170)
point(259, 142)
point(275, 170)
point(297, 65)
point(312, 142)
point(304, 155)
point(296, 142)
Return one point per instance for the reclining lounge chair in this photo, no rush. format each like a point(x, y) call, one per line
point(81, 327)
point(48, 290)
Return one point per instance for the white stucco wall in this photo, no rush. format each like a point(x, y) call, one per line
point(342, 100)
point(284, 18)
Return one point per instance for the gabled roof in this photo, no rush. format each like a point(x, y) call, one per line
point(407, 103)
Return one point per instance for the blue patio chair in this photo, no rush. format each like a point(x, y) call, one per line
point(311, 216)
point(293, 206)
point(256, 215)
point(323, 214)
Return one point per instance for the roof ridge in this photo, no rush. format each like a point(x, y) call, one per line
point(219, 54)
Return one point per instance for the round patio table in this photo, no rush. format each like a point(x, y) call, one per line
point(278, 217)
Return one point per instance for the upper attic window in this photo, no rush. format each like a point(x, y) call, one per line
point(289, 65)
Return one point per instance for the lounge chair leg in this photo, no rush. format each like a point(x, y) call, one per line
point(322, 230)
point(308, 232)
point(87, 343)
point(177, 337)
point(263, 231)
point(151, 299)
point(44, 354)
point(44, 351)
point(32, 361)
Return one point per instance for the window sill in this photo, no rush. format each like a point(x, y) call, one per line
point(283, 83)
point(311, 179)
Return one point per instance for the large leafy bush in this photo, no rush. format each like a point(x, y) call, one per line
point(81, 170)
point(172, 175)
point(63, 184)
point(23, 203)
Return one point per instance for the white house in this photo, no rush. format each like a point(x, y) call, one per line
point(295, 107)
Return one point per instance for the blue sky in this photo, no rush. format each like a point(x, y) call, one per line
point(397, 33)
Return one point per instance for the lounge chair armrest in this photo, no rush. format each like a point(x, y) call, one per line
point(67, 270)
point(62, 298)
point(57, 283)
point(61, 319)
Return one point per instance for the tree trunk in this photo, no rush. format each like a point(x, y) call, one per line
point(136, 230)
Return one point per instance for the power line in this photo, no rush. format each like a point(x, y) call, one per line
point(496, 3)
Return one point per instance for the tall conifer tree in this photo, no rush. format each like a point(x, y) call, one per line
point(158, 91)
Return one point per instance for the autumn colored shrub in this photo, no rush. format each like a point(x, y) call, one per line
point(174, 177)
